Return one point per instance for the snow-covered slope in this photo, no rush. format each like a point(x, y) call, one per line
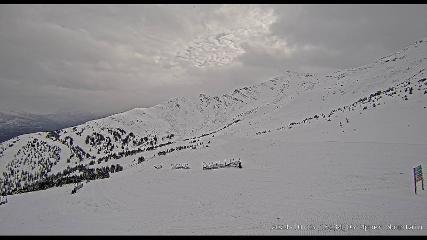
point(316, 149)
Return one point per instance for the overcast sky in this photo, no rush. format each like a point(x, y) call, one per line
point(56, 58)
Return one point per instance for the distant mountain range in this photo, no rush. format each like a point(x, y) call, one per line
point(13, 124)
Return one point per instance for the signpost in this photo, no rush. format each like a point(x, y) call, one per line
point(418, 176)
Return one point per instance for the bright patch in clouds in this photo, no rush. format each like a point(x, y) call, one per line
point(231, 27)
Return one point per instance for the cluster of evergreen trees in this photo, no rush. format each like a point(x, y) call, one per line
point(164, 152)
point(215, 131)
point(141, 159)
point(105, 145)
point(3, 199)
point(77, 187)
point(169, 136)
point(94, 140)
point(117, 133)
point(120, 155)
point(180, 166)
point(54, 135)
point(38, 155)
point(80, 153)
point(67, 176)
point(225, 164)
point(79, 133)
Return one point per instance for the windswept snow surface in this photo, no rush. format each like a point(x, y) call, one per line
point(318, 183)
point(332, 154)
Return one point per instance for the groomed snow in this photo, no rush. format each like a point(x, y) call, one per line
point(282, 182)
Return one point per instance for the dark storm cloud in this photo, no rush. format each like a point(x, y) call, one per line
point(115, 57)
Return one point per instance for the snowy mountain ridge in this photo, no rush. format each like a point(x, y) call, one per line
point(286, 102)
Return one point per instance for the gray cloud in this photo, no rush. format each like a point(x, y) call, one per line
point(114, 57)
point(345, 36)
